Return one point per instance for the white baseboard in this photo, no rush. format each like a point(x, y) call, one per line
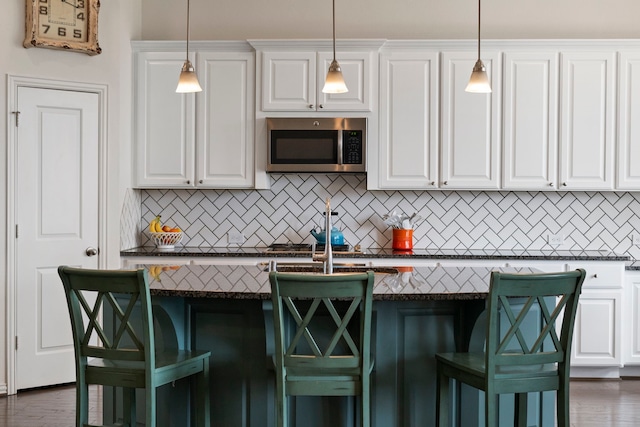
point(630, 371)
point(609, 372)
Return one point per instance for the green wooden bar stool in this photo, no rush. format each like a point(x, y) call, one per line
point(514, 361)
point(308, 363)
point(128, 358)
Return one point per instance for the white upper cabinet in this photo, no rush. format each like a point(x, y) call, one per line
point(202, 140)
point(408, 148)
point(470, 145)
point(530, 115)
point(293, 80)
point(225, 117)
point(628, 123)
point(164, 122)
point(587, 120)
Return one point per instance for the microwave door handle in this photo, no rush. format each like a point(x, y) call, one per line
point(340, 149)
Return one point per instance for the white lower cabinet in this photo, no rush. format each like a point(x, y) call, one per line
point(631, 320)
point(597, 335)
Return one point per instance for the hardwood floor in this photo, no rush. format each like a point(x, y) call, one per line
point(599, 403)
point(48, 407)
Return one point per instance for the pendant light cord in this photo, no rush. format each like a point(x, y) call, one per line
point(334, 30)
point(188, 33)
point(478, 28)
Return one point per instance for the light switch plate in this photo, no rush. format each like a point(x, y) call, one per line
point(235, 237)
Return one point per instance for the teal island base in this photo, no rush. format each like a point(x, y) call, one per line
point(406, 335)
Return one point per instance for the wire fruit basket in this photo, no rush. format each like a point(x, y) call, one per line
point(166, 240)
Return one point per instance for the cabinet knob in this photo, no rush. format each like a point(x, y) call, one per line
point(432, 183)
point(320, 106)
point(91, 251)
point(188, 182)
point(564, 184)
point(551, 184)
point(311, 106)
point(445, 183)
point(595, 276)
point(201, 181)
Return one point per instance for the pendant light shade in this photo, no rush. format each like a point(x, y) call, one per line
point(188, 81)
point(334, 83)
point(479, 81)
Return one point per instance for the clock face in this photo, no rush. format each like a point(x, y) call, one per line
point(63, 24)
point(63, 19)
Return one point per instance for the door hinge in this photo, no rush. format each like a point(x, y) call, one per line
point(16, 231)
point(16, 342)
point(17, 113)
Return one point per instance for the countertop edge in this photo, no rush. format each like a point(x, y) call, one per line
point(198, 252)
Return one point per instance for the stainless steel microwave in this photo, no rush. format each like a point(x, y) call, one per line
point(317, 144)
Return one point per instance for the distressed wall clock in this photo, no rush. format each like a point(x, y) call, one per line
point(63, 24)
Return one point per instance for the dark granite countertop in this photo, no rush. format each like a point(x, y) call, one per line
point(252, 282)
point(497, 254)
point(633, 266)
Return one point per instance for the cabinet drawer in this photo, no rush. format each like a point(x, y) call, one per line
point(601, 275)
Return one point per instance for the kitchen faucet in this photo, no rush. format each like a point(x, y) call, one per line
point(327, 256)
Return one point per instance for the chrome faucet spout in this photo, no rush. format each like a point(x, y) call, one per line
point(327, 256)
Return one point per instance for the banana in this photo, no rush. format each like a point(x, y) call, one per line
point(154, 272)
point(154, 225)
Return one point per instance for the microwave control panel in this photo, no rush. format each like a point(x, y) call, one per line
point(352, 147)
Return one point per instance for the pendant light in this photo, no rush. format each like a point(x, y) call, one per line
point(334, 83)
point(188, 81)
point(479, 81)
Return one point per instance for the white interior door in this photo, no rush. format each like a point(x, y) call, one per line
point(57, 223)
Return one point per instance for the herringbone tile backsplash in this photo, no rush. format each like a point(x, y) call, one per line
point(454, 219)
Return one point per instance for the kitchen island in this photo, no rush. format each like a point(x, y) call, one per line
point(418, 311)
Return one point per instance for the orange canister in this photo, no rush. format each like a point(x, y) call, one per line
point(402, 239)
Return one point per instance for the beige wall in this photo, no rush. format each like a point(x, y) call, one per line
point(119, 23)
point(391, 19)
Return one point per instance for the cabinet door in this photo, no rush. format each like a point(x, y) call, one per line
point(530, 114)
point(289, 81)
point(632, 319)
point(628, 123)
point(587, 121)
point(225, 120)
point(164, 123)
point(356, 70)
point(408, 120)
point(596, 336)
point(470, 137)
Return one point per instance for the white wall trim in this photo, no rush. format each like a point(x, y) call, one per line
point(13, 83)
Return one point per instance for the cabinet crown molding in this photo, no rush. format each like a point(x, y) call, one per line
point(315, 44)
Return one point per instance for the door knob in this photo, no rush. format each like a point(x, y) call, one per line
point(91, 251)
